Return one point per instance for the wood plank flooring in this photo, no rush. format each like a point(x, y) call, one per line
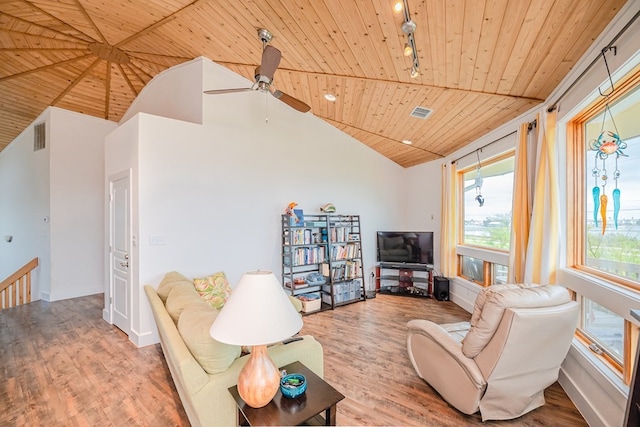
point(62, 365)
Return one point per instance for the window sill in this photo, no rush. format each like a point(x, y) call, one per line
point(616, 298)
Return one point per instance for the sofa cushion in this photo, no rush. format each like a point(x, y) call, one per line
point(214, 289)
point(168, 281)
point(193, 325)
point(494, 305)
point(180, 295)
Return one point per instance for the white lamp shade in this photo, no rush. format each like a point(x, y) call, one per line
point(258, 312)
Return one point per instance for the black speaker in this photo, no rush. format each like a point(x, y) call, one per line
point(441, 288)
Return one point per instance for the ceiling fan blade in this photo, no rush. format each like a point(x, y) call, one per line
point(270, 61)
point(219, 91)
point(291, 101)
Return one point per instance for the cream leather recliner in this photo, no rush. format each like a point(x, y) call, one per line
point(503, 359)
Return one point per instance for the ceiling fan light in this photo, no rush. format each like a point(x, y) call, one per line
point(330, 97)
point(398, 6)
point(408, 50)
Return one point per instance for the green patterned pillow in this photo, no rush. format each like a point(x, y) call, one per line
point(214, 289)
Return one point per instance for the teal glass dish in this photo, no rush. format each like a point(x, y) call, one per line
point(293, 385)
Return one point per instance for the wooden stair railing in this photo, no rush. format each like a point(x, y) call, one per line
point(16, 289)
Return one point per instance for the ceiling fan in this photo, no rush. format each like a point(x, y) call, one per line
point(264, 75)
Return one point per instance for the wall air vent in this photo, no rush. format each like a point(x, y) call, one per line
point(420, 112)
point(39, 137)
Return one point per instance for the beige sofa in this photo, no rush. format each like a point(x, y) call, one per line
point(201, 368)
point(503, 359)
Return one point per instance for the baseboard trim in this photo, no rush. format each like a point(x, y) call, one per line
point(106, 316)
point(145, 339)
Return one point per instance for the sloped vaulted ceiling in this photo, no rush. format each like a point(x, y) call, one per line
point(482, 62)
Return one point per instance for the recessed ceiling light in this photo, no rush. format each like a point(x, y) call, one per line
point(406, 141)
point(330, 97)
point(397, 7)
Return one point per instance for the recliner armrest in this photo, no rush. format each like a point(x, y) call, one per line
point(446, 342)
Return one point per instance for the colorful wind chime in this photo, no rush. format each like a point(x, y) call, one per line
point(607, 144)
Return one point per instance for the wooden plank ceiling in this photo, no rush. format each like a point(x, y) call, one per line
point(482, 62)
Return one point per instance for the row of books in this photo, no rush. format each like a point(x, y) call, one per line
point(304, 256)
point(301, 236)
point(343, 234)
point(348, 251)
point(346, 271)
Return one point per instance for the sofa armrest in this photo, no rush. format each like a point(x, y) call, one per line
point(187, 374)
point(438, 359)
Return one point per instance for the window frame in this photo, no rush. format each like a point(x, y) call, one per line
point(576, 230)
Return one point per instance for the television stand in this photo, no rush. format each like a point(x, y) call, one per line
point(407, 279)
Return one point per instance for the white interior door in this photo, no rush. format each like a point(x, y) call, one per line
point(119, 253)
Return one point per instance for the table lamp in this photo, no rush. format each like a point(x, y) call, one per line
point(257, 313)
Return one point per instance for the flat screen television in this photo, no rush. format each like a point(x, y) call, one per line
point(414, 247)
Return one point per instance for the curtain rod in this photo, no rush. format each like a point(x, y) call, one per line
point(531, 126)
point(609, 46)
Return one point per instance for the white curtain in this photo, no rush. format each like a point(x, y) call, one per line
point(543, 247)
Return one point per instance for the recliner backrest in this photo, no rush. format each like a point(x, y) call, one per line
point(492, 303)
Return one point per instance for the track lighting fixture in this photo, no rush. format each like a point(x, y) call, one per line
point(409, 28)
point(408, 50)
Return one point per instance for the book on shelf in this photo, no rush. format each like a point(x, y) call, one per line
point(297, 219)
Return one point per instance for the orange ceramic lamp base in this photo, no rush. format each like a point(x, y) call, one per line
point(259, 379)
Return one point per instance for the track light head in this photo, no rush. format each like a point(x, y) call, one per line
point(408, 50)
point(408, 27)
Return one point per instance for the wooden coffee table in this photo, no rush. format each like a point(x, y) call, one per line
point(281, 411)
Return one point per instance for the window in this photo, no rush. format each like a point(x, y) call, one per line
point(486, 232)
point(603, 214)
point(488, 223)
point(603, 327)
point(612, 232)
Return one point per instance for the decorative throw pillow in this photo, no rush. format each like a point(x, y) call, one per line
point(193, 325)
point(180, 296)
point(214, 289)
point(169, 281)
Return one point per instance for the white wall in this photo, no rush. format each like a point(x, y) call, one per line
point(76, 203)
point(52, 205)
point(214, 193)
point(24, 202)
point(169, 97)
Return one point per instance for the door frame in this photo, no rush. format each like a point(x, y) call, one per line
point(109, 239)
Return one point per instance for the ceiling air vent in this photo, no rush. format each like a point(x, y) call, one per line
point(420, 112)
point(38, 137)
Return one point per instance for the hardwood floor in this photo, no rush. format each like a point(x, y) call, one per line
point(61, 364)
